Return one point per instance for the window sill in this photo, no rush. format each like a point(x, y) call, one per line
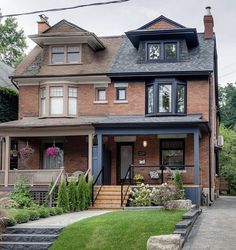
point(59, 116)
point(64, 64)
point(120, 101)
point(100, 102)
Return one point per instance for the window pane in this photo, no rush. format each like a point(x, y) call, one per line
point(73, 57)
point(56, 106)
point(180, 98)
point(165, 91)
point(172, 157)
point(56, 91)
point(72, 92)
point(43, 92)
point(58, 49)
point(170, 51)
point(72, 106)
point(101, 95)
point(57, 58)
point(154, 51)
point(121, 94)
point(150, 99)
point(72, 49)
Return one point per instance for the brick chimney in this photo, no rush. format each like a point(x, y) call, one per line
point(208, 23)
point(43, 24)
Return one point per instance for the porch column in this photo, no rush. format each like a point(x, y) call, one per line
point(6, 160)
point(100, 156)
point(90, 154)
point(196, 166)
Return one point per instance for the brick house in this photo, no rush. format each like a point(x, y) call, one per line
point(117, 106)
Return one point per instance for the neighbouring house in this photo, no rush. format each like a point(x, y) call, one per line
point(115, 107)
point(5, 72)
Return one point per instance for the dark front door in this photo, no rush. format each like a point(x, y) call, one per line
point(125, 159)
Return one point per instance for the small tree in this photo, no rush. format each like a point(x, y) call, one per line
point(82, 193)
point(72, 193)
point(179, 185)
point(90, 190)
point(63, 199)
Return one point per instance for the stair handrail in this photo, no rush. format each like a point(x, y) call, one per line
point(128, 173)
point(54, 186)
point(86, 173)
point(94, 183)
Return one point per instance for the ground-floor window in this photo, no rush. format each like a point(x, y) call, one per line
point(53, 162)
point(172, 152)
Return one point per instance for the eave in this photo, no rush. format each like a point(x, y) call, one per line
point(188, 34)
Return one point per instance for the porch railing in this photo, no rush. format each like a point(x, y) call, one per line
point(100, 176)
point(158, 174)
point(2, 174)
point(126, 181)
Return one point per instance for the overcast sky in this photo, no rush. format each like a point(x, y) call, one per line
point(117, 18)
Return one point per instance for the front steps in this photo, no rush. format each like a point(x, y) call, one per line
point(109, 197)
point(20, 238)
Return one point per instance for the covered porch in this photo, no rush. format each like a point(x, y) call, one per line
point(40, 169)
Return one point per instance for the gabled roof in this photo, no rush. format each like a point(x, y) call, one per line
point(161, 19)
point(64, 22)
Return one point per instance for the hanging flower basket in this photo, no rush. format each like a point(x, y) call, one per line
point(53, 151)
point(26, 152)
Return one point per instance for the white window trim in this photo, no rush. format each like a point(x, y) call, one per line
point(120, 101)
point(96, 88)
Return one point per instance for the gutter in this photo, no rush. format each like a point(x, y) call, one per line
point(14, 83)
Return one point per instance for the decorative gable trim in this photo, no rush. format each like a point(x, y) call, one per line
point(159, 20)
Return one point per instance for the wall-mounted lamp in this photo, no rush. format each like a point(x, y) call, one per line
point(145, 143)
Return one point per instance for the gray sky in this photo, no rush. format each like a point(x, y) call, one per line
point(118, 18)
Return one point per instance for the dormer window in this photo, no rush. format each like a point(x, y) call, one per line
point(65, 54)
point(162, 51)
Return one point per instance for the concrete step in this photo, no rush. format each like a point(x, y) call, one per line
point(28, 237)
point(25, 245)
point(183, 224)
point(191, 214)
point(182, 232)
point(29, 230)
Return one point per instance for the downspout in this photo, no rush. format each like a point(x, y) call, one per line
point(210, 103)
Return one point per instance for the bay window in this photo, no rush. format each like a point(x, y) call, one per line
point(56, 101)
point(43, 100)
point(72, 101)
point(165, 97)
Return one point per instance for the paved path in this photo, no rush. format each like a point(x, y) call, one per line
point(215, 228)
point(63, 220)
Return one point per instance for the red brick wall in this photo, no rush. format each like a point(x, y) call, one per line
point(198, 98)
point(28, 101)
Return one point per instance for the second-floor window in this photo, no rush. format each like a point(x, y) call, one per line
point(65, 54)
point(58, 101)
point(166, 97)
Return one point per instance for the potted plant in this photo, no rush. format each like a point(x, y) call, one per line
point(53, 151)
point(26, 152)
point(138, 178)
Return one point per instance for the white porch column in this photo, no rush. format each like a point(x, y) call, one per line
point(6, 160)
point(90, 154)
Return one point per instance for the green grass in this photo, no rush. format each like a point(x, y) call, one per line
point(117, 230)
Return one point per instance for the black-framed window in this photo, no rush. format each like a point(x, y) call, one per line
point(166, 97)
point(101, 94)
point(121, 94)
point(172, 152)
point(162, 51)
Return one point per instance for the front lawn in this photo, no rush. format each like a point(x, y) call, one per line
point(117, 230)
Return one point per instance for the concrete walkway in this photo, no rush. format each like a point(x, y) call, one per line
point(63, 220)
point(215, 228)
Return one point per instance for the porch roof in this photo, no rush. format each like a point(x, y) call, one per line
point(35, 122)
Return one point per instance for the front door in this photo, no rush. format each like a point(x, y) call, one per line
point(125, 159)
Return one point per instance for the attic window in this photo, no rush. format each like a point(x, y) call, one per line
point(162, 51)
point(65, 54)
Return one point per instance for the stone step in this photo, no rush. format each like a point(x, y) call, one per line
point(25, 245)
point(29, 230)
point(191, 214)
point(183, 224)
point(182, 232)
point(28, 237)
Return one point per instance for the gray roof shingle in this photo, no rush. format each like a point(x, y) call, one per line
point(130, 60)
point(5, 72)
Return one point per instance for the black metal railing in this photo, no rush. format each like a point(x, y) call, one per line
point(94, 196)
point(126, 181)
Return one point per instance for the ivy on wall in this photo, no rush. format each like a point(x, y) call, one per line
point(8, 104)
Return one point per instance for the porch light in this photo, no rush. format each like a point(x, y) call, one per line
point(145, 143)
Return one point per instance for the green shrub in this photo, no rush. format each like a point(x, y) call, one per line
point(52, 211)
point(179, 185)
point(63, 199)
point(11, 222)
point(34, 214)
point(90, 190)
point(21, 194)
point(43, 212)
point(22, 216)
point(82, 194)
point(58, 210)
point(73, 195)
point(140, 197)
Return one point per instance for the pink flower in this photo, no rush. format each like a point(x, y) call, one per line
point(52, 151)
